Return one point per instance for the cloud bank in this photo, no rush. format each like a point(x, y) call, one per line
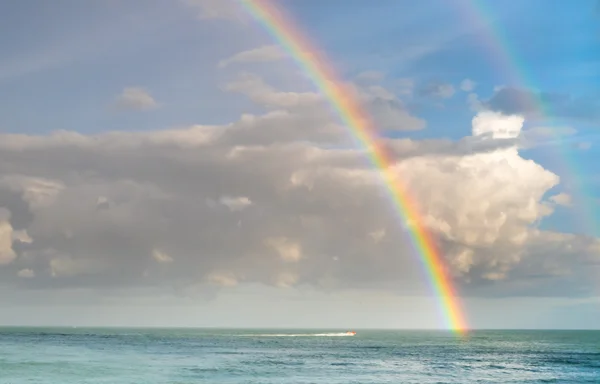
point(282, 198)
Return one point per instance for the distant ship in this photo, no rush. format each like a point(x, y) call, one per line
point(350, 333)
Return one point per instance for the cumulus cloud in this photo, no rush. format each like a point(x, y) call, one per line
point(281, 199)
point(261, 54)
point(135, 98)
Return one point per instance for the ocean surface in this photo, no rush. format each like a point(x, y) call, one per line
point(115, 356)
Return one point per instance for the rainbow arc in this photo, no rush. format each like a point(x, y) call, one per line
point(362, 129)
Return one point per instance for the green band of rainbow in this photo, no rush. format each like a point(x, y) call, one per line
point(362, 130)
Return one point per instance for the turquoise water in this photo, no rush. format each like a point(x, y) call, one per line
point(55, 355)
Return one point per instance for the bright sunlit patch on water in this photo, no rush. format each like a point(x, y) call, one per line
point(336, 334)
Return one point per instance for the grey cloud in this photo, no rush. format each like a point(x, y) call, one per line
point(525, 102)
point(278, 199)
point(258, 91)
point(387, 110)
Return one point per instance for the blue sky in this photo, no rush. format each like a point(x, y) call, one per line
point(70, 66)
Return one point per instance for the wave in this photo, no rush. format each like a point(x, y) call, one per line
point(337, 334)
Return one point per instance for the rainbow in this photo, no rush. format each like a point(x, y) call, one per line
point(507, 61)
point(363, 132)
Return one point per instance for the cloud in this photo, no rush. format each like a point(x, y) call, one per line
point(261, 54)
point(562, 199)
point(161, 257)
point(26, 273)
point(282, 199)
point(497, 125)
point(235, 203)
point(258, 91)
point(438, 90)
point(467, 85)
point(289, 250)
point(134, 98)
point(7, 253)
point(528, 103)
point(387, 110)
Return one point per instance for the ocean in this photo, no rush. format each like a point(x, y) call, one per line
point(182, 356)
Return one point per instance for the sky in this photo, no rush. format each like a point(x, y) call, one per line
point(167, 163)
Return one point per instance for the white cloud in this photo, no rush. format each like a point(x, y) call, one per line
point(467, 85)
point(261, 54)
point(497, 126)
point(562, 198)
point(135, 98)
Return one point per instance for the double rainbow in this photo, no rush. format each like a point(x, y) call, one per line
point(362, 130)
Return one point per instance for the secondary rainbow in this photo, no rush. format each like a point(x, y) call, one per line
point(363, 132)
point(507, 61)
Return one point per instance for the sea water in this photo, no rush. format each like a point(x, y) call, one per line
point(148, 356)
